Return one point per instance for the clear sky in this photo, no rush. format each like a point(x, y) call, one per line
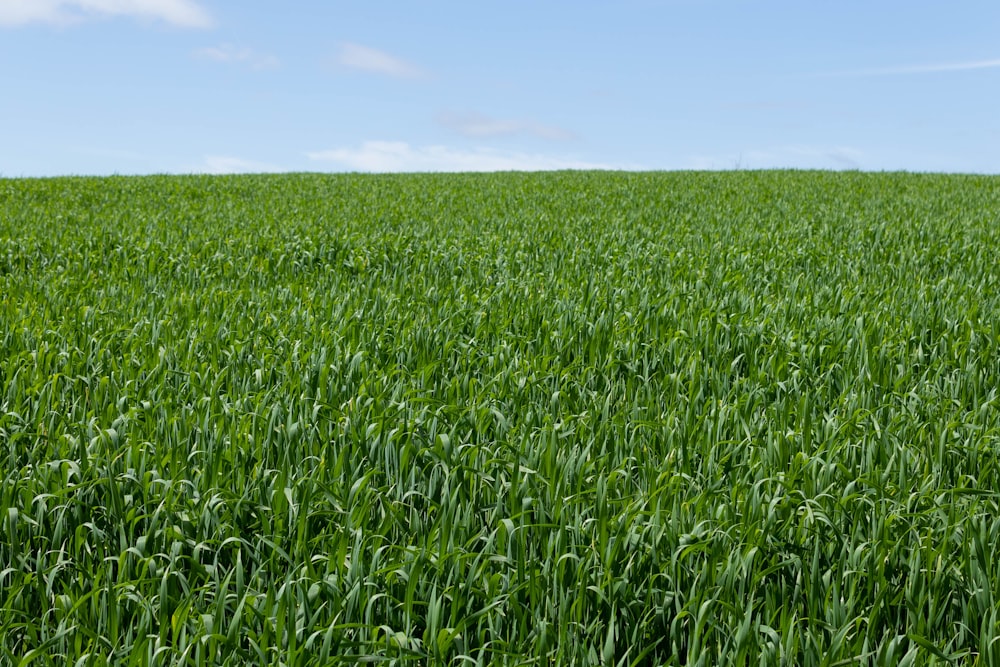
point(177, 86)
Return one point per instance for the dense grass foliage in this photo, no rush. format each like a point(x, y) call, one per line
point(566, 418)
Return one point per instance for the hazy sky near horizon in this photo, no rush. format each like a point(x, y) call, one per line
point(219, 86)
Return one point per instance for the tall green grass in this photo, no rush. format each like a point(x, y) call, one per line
point(551, 419)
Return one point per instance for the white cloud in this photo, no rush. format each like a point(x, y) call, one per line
point(222, 164)
point(399, 156)
point(367, 59)
point(228, 53)
point(783, 157)
point(183, 13)
point(922, 69)
point(477, 125)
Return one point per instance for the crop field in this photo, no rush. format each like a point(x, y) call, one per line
point(567, 418)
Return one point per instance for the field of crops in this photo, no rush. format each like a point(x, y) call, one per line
point(561, 418)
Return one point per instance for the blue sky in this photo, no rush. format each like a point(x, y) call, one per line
point(178, 86)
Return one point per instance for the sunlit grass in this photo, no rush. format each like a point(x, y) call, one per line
point(567, 418)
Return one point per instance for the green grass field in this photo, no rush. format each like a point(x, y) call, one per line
point(744, 418)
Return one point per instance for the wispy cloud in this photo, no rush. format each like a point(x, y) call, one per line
point(182, 13)
point(228, 53)
point(224, 164)
point(920, 69)
point(399, 156)
point(476, 125)
point(367, 59)
point(783, 157)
